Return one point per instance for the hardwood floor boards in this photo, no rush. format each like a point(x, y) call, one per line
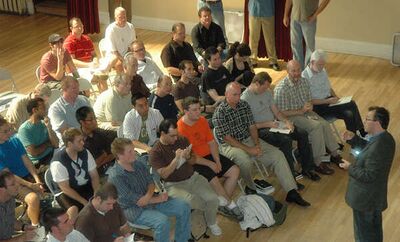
point(371, 81)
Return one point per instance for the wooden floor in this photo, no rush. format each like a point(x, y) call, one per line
point(371, 81)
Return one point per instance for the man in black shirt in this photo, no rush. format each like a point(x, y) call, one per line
point(162, 99)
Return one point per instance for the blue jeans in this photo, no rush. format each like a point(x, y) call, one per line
point(217, 14)
point(367, 226)
point(298, 31)
point(157, 219)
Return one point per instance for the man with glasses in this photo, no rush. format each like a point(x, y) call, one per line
point(369, 174)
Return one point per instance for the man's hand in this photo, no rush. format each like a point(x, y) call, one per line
point(60, 54)
point(29, 233)
point(163, 197)
point(347, 135)
point(254, 151)
point(213, 166)
point(47, 122)
point(289, 125)
point(345, 164)
point(37, 187)
point(273, 124)
point(143, 201)
point(286, 21)
point(178, 154)
point(186, 152)
point(307, 107)
point(332, 100)
point(312, 18)
point(201, 68)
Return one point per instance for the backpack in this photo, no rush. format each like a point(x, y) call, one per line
point(199, 225)
point(257, 213)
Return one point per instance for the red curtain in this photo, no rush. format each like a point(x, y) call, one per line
point(87, 11)
point(282, 34)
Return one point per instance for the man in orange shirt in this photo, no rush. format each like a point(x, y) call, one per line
point(212, 165)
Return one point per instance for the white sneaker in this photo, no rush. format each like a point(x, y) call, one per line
point(215, 229)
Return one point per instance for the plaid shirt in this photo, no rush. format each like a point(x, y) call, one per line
point(292, 96)
point(235, 122)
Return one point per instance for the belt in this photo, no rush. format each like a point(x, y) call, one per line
point(210, 2)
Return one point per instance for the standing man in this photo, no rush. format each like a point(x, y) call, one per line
point(368, 175)
point(303, 24)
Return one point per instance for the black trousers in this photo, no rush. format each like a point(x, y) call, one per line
point(367, 226)
point(348, 112)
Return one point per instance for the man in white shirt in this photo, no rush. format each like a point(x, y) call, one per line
point(119, 35)
point(60, 226)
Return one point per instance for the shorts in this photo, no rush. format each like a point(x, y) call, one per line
point(208, 173)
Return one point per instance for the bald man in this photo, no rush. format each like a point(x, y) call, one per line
point(237, 134)
point(293, 98)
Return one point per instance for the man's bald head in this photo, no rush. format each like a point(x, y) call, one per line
point(232, 93)
point(294, 70)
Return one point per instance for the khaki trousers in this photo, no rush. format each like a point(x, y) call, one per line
point(267, 24)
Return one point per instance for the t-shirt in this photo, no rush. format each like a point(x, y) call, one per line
point(7, 215)
point(81, 48)
point(216, 79)
point(119, 38)
point(100, 142)
point(48, 64)
point(11, 153)
point(162, 155)
point(260, 105)
point(138, 86)
point(111, 106)
point(17, 113)
point(60, 172)
point(199, 135)
point(74, 236)
point(34, 134)
point(166, 105)
point(261, 8)
point(182, 90)
point(98, 227)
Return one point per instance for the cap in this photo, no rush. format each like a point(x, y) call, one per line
point(55, 38)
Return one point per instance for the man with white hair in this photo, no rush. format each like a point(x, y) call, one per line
point(130, 69)
point(323, 95)
point(119, 36)
point(112, 105)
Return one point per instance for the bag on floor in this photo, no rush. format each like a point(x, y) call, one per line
point(199, 225)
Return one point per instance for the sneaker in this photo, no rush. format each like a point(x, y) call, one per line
point(237, 213)
point(297, 176)
point(215, 229)
point(280, 216)
point(275, 66)
point(234, 213)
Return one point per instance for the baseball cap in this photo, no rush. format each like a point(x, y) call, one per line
point(55, 38)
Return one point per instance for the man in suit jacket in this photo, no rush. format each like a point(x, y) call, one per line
point(367, 187)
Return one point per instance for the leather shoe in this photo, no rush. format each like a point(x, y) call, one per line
point(324, 169)
point(336, 159)
point(311, 175)
point(294, 197)
point(249, 191)
point(275, 66)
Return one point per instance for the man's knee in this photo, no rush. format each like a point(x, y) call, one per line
point(32, 199)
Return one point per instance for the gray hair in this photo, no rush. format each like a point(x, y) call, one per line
point(118, 10)
point(118, 79)
point(128, 58)
point(318, 55)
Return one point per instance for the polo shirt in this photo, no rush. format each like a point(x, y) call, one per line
point(173, 53)
point(17, 113)
point(291, 95)
point(320, 85)
point(81, 48)
point(149, 71)
point(11, 153)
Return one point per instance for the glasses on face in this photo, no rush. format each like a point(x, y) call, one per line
point(139, 50)
point(89, 120)
point(369, 119)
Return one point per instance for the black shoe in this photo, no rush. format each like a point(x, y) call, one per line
point(294, 197)
point(300, 186)
point(311, 175)
point(249, 191)
point(280, 215)
point(324, 169)
point(275, 66)
point(336, 160)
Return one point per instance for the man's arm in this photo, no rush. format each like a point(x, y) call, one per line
point(57, 74)
point(233, 142)
point(94, 178)
point(288, 6)
point(173, 71)
point(166, 171)
point(52, 135)
point(214, 95)
point(28, 164)
point(320, 8)
point(64, 186)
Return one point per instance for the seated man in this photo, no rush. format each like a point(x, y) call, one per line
point(112, 105)
point(60, 226)
point(119, 35)
point(73, 169)
point(207, 34)
point(62, 111)
point(82, 52)
point(137, 199)
point(172, 158)
point(178, 50)
point(37, 135)
point(102, 219)
point(265, 112)
point(162, 100)
point(17, 113)
point(13, 157)
point(130, 69)
point(141, 123)
point(237, 133)
point(147, 68)
point(210, 163)
point(97, 141)
point(215, 77)
point(185, 87)
point(293, 98)
point(322, 95)
point(8, 223)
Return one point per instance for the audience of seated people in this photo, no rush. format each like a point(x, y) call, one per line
point(97, 141)
point(239, 65)
point(162, 100)
point(141, 123)
point(138, 200)
point(147, 68)
point(130, 66)
point(17, 113)
point(112, 105)
point(178, 50)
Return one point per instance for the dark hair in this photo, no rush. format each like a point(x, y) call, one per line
point(182, 64)
point(49, 217)
point(166, 124)
point(210, 51)
point(261, 78)
point(33, 103)
point(108, 190)
point(242, 49)
point(71, 21)
point(82, 113)
point(3, 121)
point(4, 174)
point(187, 101)
point(203, 9)
point(381, 115)
point(136, 97)
point(176, 25)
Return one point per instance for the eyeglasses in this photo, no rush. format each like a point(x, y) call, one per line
point(138, 50)
point(89, 120)
point(370, 119)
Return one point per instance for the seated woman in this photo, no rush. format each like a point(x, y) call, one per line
point(238, 63)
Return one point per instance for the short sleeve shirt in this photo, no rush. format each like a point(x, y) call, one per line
point(17, 113)
point(11, 153)
point(262, 8)
point(34, 134)
point(216, 79)
point(320, 85)
point(48, 64)
point(111, 106)
point(81, 48)
point(166, 105)
point(173, 53)
point(292, 95)
point(260, 105)
point(7, 215)
point(100, 142)
point(182, 90)
point(302, 9)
